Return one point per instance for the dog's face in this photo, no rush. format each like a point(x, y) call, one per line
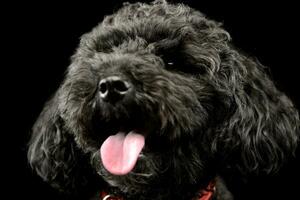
point(157, 90)
point(139, 98)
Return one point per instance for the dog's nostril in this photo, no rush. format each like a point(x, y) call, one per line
point(113, 88)
point(120, 86)
point(103, 87)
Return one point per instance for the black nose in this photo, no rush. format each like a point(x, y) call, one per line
point(113, 88)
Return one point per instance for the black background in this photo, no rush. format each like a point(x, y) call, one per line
point(40, 38)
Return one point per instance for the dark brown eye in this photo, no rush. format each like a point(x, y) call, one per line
point(171, 59)
point(181, 63)
point(170, 63)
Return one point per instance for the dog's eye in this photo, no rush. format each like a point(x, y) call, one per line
point(170, 63)
point(171, 60)
point(179, 63)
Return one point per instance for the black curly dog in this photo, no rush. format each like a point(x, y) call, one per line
point(156, 104)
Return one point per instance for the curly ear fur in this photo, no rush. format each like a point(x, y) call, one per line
point(263, 129)
point(53, 153)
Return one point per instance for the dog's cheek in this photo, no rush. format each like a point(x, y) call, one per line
point(181, 103)
point(77, 107)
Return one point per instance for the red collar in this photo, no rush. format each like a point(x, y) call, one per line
point(204, 194)
point(207, 193)
point(105, 196)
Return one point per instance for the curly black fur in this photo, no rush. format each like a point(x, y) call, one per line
point(204, 105)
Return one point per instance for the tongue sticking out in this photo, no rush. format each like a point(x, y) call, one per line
point(119, 153)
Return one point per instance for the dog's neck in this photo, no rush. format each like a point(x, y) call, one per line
point(204, 194)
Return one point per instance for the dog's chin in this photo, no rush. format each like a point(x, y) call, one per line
point(146, 171)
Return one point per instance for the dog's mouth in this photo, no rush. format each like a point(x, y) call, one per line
point(122, 139)
point(119, 153)
point(121, 132)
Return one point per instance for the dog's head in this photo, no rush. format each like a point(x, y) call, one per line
point(157, 96)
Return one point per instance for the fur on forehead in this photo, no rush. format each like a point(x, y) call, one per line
point(151, 27)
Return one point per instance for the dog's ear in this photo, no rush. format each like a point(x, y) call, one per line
point(262, 129)
point(53, 153)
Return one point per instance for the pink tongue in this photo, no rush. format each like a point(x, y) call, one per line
point(120, 152)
